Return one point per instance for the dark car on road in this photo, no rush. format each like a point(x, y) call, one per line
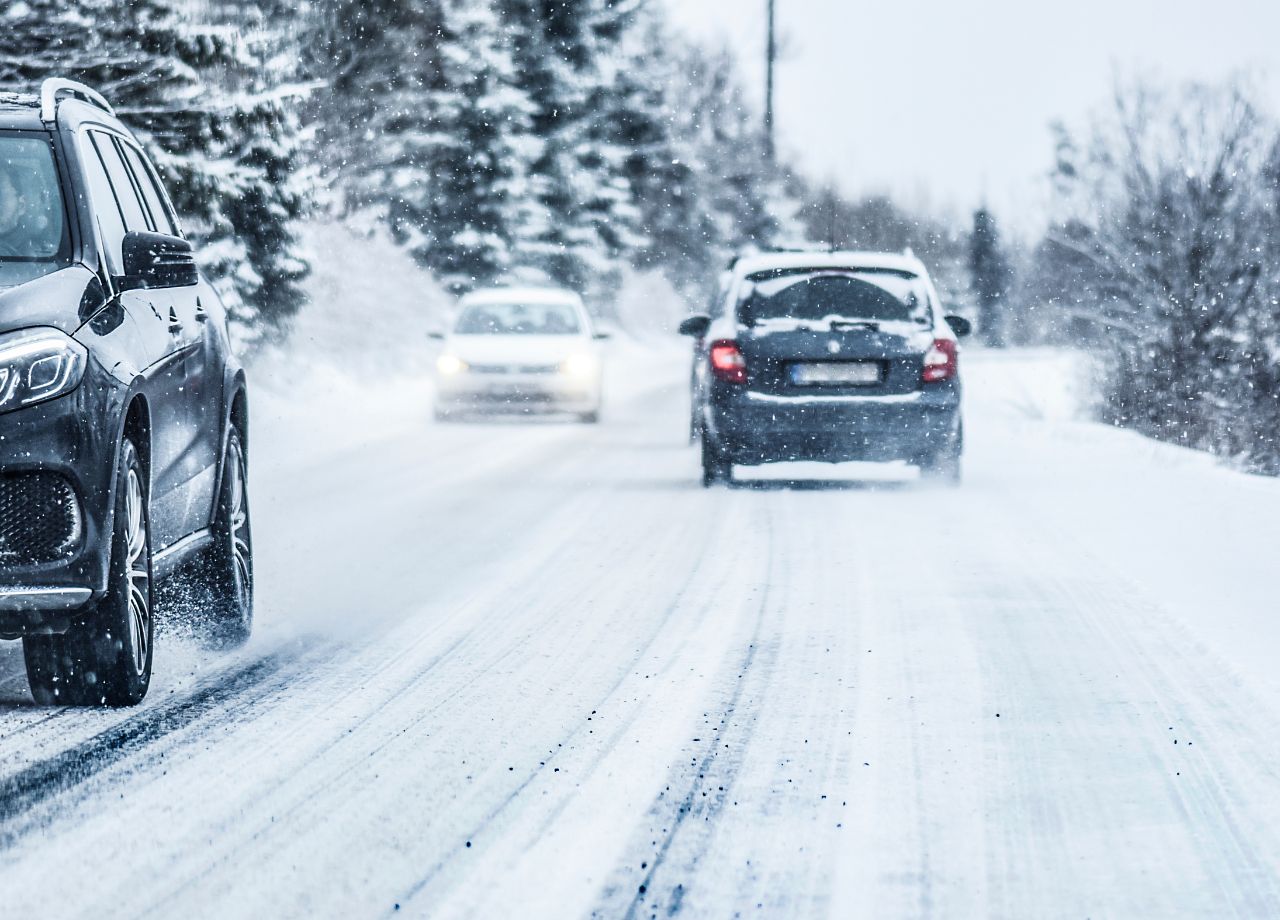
point(828, 357)
point(123, 413)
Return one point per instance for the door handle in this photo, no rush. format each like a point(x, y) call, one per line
point(175, 324)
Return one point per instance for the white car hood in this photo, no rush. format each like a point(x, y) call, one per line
point(516, 349)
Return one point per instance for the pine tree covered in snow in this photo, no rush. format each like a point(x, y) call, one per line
point(464, 201)
point(376, 59)
point(703, 185)
point(565, 55)
point(201, 98)
point(539, 139)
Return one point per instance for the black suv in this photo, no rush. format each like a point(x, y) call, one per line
point(829, 357)
point(122, 409)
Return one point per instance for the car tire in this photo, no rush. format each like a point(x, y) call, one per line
point(105, 657)
point(589, 418)
point(716, 467)
point(227, 564)
point(944, 467)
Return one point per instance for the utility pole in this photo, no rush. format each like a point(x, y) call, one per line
point(771, 56)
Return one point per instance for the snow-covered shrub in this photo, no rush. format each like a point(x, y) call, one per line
point(1169, 241)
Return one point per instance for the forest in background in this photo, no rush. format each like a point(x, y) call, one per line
point(564, 140)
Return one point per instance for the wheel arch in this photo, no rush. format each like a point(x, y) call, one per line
point(136, 426)
point(235, 419)
point(134, 423)
point(238, 414)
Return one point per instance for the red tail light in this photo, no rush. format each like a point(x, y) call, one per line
point(727, 362)
point(942, 361)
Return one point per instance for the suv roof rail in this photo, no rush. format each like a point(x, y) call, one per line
point(53, 88)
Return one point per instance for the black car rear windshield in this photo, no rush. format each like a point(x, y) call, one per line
point(817, 296)
point(33, 226)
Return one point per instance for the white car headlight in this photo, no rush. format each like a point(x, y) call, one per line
point(449, 365)
point(38, 364)
point(579, 366)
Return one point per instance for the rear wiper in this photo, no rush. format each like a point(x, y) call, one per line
point(848, 325)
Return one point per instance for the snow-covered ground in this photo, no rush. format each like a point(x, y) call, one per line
point(532, 669)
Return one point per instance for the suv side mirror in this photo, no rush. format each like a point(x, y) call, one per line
point(959, 325)
point(696, 325)
point(435, 334)
point(156, 260)
point(602, 336)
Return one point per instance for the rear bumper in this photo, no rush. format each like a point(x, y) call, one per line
point(757, 428)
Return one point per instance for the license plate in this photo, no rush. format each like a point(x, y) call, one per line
point(836, 373)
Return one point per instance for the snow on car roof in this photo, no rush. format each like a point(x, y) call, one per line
point(883, 261)
point(22, 99)
point(529, 295)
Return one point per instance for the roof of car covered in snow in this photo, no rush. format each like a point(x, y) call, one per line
point(19, 110)
point(526, 295)
point(876, 261)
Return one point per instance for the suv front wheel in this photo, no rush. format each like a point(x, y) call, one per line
point(105, 657)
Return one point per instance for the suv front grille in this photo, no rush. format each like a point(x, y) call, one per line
point(515, 368)
point(40, 518)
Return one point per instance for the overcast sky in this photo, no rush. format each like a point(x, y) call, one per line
point(943, 103)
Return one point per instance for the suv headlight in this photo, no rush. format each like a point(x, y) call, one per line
point(38, 364)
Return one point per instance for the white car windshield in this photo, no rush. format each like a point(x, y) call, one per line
point(518, 319)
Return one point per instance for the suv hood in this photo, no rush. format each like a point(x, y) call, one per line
point(56, 299)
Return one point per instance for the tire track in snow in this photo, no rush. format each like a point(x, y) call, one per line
point(23, 793)
point(1159, 657)
point(689, 794)
point(415, 694)
point(532, 776)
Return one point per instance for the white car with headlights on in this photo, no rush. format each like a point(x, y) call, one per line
point(520, 350)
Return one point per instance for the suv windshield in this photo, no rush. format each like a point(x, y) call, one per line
point(880, 296)
point(518, 319)
point(33, 226)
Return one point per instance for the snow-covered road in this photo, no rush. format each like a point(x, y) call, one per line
point(533, 670)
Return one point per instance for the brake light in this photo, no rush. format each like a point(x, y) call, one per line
point(727, 362)
point(942, 362)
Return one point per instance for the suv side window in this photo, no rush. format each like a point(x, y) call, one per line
point(150, 187)
point(106, 210)
point(135, 216)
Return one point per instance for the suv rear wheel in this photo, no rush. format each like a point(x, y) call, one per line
point(105, 657)
point(225, 571)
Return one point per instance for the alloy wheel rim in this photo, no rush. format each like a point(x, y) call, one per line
point(241, 554)
point(138, 571)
